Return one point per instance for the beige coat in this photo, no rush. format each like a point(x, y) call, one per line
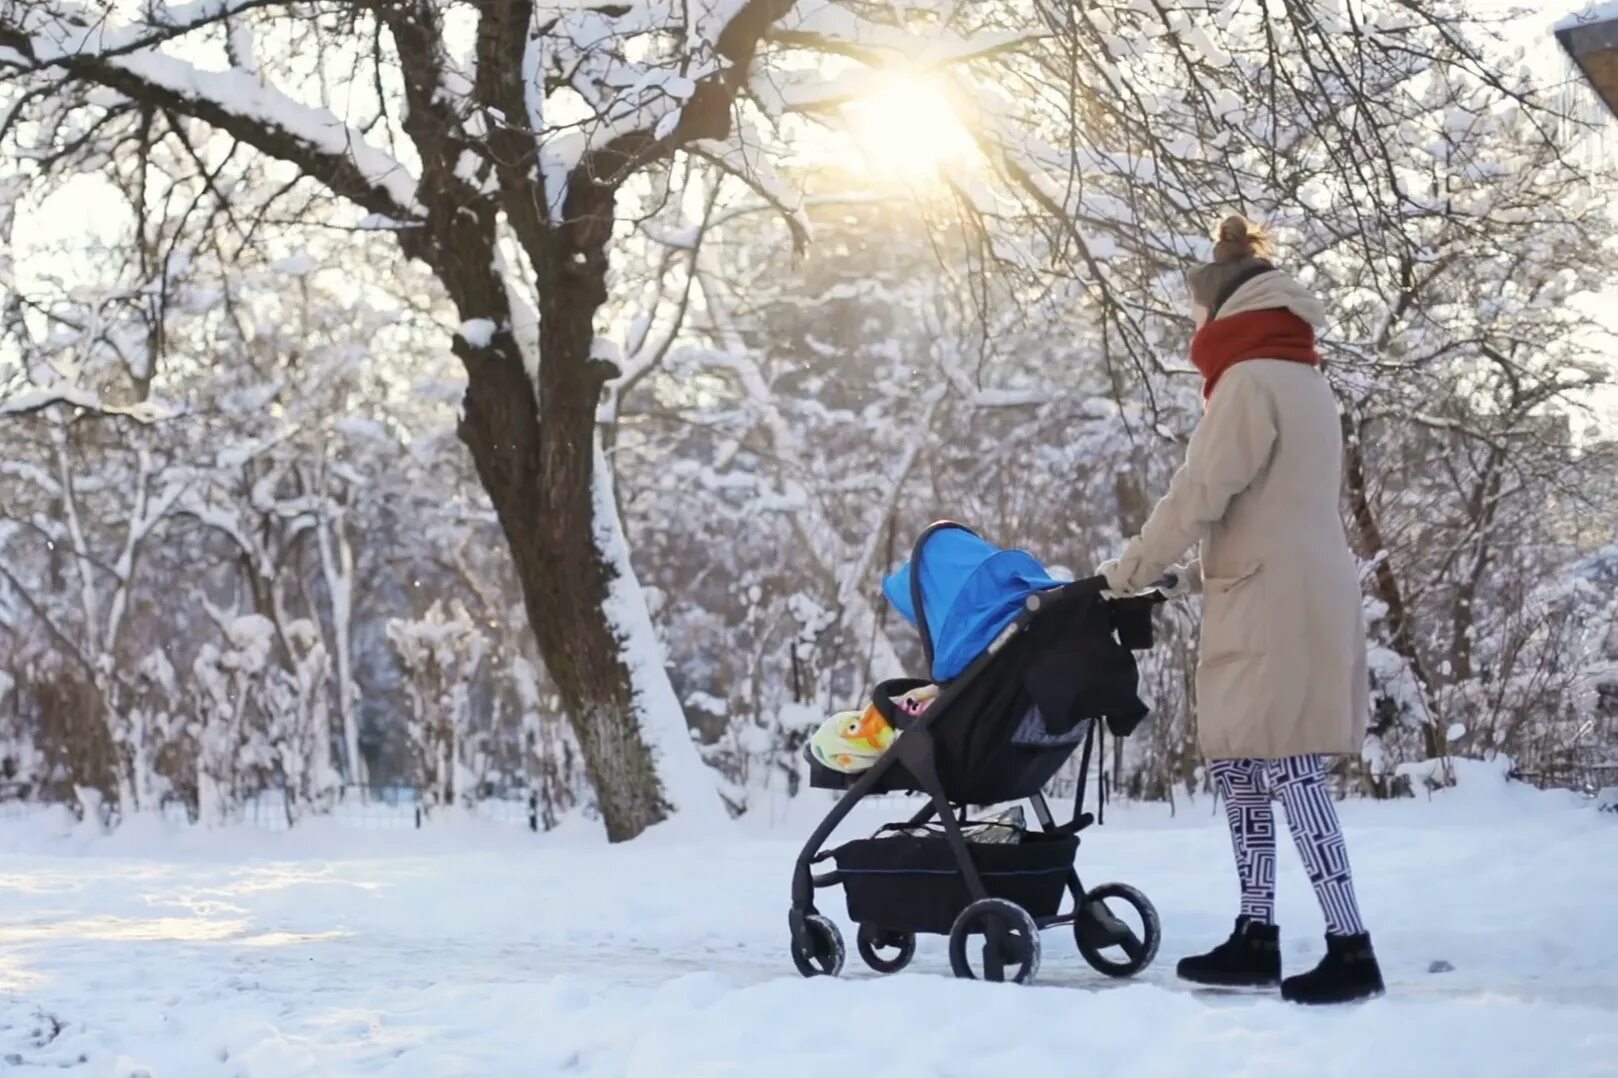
point(1282, 669)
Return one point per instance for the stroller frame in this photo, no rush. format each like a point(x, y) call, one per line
point(914, 749)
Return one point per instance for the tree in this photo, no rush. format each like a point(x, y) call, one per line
point(508, 149)
point(506, 154)
point(511, 131)
point(489, 157)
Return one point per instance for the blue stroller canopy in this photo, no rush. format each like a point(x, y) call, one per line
point(971, 590)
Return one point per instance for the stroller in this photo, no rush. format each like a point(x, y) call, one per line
point(1027, 669)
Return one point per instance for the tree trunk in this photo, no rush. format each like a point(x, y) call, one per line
point(1481, 509)
point(541, 465)
point(1401, 623)
point(337, 567)
point(1133, 508)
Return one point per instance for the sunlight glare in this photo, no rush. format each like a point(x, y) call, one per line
point(907, 130)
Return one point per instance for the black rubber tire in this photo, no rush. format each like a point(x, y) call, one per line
point(871, 939)
point(1133, 954)
point(826, 951)
point(1018, 939)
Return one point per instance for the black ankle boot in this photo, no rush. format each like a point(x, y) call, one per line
point(1348, 972)
point(1251, 958)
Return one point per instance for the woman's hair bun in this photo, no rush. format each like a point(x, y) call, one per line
point(1239, 238)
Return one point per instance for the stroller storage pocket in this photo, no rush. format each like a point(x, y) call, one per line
point(904, 883)
point(1033, 732)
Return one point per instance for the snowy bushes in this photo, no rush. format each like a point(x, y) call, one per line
point(261, 727)
point(232, 750)
point(441, 653)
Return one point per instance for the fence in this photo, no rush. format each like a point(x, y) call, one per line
point(367, 808)
point(1587, 778)
point(402, 808)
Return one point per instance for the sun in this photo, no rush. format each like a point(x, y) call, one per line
point(907, 129)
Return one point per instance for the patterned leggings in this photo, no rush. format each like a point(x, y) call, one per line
point(1299, 782)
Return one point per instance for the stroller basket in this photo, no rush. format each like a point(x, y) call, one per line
point(901, 883)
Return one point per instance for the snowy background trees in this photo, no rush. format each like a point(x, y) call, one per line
point(726, 300)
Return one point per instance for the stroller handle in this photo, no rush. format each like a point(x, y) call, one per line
point(1165, 583)
point(1157, 592)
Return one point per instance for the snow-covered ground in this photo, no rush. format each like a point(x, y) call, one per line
point(478, 949)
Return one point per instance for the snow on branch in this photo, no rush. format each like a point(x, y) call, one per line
point(37, 400)
point(643, 109)
point(237, 102)
point(23, 470)
point(978, 397)
point(77, 29)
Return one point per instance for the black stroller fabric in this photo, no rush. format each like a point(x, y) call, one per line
point(1071, 664)
point(901, 883)
point(1082, 672)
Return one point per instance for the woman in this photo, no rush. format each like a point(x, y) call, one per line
point(1281, 678)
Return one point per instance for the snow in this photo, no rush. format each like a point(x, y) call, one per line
point(478, 332)
point(533, 81)
point(688, 784)
point(381, 222)
point(320, 129)
point(298, 265)
point(241, 45)
point(75, 396)
point(1470, 778)
point(472, 948)
point(1590, 13)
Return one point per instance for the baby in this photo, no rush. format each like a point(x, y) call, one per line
point(853, 740)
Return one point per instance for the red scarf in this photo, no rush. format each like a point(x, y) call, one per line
point(1270, 334)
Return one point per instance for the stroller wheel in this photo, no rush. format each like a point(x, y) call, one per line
point(824, 953)
point(1110, 943)
point(1007, 936)
point(871, 940)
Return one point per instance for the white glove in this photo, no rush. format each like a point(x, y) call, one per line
point(1115, 584)
point(1174, 583)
